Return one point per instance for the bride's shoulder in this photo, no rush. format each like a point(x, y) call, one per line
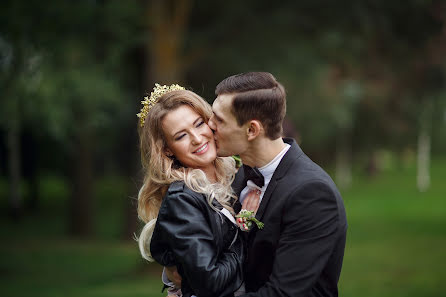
point(176, 187)
point(179, 189)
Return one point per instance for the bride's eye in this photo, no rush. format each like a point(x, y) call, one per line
point(180, 137)
point(200, 123)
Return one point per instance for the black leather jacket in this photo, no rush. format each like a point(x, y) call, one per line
point(204, 245)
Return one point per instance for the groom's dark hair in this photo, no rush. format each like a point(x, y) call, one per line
point(259, 96)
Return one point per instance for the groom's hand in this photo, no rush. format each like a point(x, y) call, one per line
point(252, 201)
point(173, 275)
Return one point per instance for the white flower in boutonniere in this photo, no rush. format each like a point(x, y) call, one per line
point(246, 218)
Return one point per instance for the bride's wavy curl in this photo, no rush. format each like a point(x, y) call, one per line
point(161, 170)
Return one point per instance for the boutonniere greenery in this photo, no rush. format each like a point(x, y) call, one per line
point(247, 219)
point(238, 161)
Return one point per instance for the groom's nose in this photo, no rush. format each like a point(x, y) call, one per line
point(212, 124)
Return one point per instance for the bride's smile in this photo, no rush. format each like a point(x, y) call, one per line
point(189, 138)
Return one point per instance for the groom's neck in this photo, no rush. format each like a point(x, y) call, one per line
point(262, 151)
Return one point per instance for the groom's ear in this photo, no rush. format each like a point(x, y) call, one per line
point(253, 129)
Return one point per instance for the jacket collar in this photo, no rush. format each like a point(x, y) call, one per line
point(240, 183)
point(288, 159)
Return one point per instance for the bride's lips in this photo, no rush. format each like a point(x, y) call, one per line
point(202, 149)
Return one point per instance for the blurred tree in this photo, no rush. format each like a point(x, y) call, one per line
point(370, 44)
point(76, 91)
point(19, 78)
point(93, 96)
point(360, 75)
point(413, 54)
point(167, 22)
point(165, 25)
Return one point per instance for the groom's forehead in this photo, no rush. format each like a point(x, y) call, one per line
point(223, 103)
point(222, 108)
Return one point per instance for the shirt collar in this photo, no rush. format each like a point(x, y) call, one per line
point(268, 170)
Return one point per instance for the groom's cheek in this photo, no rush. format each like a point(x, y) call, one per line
point(212, 124)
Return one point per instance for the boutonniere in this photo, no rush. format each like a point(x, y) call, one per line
point(246, 218)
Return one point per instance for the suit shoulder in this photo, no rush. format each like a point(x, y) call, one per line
point(308, 170)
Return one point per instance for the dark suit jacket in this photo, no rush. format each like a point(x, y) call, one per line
point(299, 252)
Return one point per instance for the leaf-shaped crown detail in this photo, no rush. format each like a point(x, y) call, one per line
point(150, 101)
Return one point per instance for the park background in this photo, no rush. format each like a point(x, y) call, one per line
point(366, 91)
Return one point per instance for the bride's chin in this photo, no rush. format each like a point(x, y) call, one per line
point(213, 152)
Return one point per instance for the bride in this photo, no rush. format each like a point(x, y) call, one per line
point(186, 199)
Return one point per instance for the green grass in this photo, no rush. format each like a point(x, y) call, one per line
point(76, 268)
point(397, 236)
point(396, 243)
point(39, 259)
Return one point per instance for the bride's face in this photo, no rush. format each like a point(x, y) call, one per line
point(189, 138)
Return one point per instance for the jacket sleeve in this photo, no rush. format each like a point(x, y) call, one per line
point(309, 235)
point(208, 270)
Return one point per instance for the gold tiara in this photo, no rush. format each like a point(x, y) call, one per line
point(150, 101)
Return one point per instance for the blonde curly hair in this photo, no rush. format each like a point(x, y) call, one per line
point(161, 170)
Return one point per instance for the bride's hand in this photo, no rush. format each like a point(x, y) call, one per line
point(173, 275)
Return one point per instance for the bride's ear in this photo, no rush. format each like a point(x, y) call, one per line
point(253, 129)
point(168, 152)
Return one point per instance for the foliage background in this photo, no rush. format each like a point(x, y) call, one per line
point(366, 95)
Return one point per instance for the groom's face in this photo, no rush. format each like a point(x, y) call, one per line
point(230, 138)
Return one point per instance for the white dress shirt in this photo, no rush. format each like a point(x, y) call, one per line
point(267, 171)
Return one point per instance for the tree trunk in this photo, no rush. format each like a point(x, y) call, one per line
point(129, 167)
point(131, 217)
point(15, 198)
point(29, 159)
point(343, 162)
point(372, 165)
point(80, 223)
point(424, 147)
point(167, 23)
point(423, 160)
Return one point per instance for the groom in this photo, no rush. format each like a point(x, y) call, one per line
point(300, 250)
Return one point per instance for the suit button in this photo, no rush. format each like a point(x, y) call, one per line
point(232, 227)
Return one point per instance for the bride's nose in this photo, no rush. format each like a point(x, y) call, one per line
point(196, 137)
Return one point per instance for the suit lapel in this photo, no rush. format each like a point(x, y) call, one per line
point(266, 197)
point(293, 153)
point(239, 182)
point(238, 185)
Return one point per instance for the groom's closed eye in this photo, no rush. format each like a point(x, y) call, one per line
point(220, 120)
